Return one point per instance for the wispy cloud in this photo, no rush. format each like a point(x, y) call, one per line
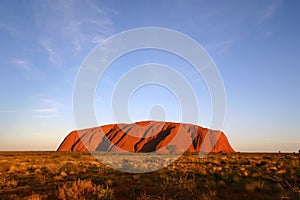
point(54, 56)
point(268, 12)
point(265, 15)
point(30, 71)
point(22, 64)
point(8, 111)
point(11, 30)
point(48, 108)
point(70, 27)
point(220, 47)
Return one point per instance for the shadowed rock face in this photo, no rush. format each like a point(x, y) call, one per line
point(147, 136)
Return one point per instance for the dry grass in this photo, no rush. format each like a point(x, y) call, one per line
point(210, 195)
point(255, 185)
point(53, 168)
point(69, 175)
point(36, 197)
point(144, 196)
point(84, 189)
point(8, 183)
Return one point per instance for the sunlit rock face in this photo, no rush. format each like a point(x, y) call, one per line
point(147, 136)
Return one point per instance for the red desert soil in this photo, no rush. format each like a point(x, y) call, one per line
point(147, 136)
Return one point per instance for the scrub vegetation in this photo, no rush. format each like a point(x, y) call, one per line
point(75, 175)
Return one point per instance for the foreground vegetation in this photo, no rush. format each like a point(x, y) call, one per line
point(74, 175)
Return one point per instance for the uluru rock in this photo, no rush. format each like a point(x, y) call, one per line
point(147, 136)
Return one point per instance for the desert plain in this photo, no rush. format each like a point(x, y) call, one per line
point(79, 175)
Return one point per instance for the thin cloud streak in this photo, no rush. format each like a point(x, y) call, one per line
point(8, 111)
point(30, 72)
point(269, 12)
point(22, 64)
point(48, 108)
point(76, 33)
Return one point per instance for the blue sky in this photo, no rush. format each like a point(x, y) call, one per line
point(255, 45)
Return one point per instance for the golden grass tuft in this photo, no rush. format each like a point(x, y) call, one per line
point(210, 195)
point(255, 185)
point(84, 189)
point(36, 197)
point(8, 183)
